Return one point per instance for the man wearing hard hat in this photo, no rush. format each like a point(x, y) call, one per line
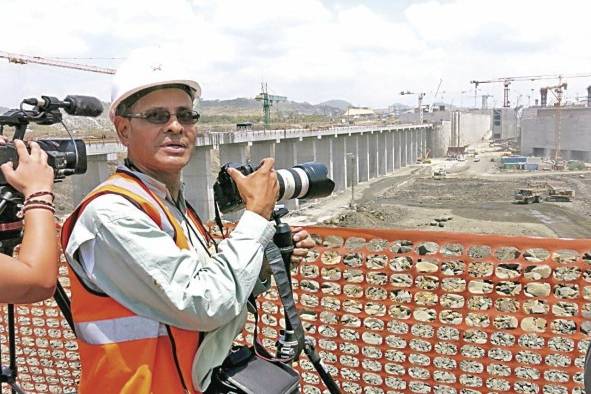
point(156, 303)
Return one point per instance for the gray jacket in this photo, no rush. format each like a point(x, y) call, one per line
point(123, 253)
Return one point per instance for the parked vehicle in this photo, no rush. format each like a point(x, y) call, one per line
point(439, 173)
point(527, 196)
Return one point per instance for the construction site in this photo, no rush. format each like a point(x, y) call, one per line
point(453, 257)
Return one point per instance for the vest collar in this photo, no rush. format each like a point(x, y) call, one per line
point(156, 186)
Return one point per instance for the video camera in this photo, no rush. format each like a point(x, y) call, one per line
point(304, 181)
point(65, 156)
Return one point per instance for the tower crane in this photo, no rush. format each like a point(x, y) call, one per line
point(420, 98)
point(506, 81)
point(25, 59)
point(268, 100)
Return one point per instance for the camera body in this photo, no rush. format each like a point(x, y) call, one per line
point(65, 156)
point(303, 181)
point(225, 190)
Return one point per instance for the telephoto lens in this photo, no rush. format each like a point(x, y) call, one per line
point(303, 181)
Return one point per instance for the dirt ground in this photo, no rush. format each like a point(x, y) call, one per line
point(475, 197)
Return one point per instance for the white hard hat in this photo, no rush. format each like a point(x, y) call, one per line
point(146, 68)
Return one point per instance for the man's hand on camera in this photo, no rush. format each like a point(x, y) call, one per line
point(32, 174)
point(259, 189)
point(303, 243)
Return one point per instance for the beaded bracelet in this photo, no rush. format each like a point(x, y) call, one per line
point(41, 193)
point(29, 201)
point(32, 206)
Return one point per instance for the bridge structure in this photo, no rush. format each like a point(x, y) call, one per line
point(352, 155)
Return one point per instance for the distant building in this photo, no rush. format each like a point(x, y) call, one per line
point(355, 112)
point(244, 126)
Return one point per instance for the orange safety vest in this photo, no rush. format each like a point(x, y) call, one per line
point(120, 351)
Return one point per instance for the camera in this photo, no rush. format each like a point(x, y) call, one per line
point(65, 156)
point(303, 181)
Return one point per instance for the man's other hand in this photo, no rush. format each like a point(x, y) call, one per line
point(303, 243)
point(258, 190)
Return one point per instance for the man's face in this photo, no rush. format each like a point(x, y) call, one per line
point(160, 150)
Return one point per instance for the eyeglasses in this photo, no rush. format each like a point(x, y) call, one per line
point(162, 116)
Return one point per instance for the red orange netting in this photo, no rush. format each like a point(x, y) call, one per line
point(396, 311)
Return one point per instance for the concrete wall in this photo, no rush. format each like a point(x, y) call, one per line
point(504, 123)
point(467, 126)
point(474, 127)
point(538, 128)
point(441, 136)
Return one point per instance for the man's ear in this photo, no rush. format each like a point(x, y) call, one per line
point(122, 127)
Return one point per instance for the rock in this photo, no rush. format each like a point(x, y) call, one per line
point(427, 248)
point(433, 223)
point(426, 267)
point(537, 272)
point(537, 289)
point(440, 224)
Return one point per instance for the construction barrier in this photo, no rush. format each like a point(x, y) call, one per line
point(394, 311)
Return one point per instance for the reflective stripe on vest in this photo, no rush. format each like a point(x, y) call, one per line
point(103, 332)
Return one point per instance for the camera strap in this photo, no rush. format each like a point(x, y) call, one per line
point(275, 260)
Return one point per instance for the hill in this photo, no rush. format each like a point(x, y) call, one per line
point(340, 104)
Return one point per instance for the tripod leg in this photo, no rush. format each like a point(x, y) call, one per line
point(326, 378)
point(8, 374)
point(63, 302)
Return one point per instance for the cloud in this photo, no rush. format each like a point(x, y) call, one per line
point(309, 50)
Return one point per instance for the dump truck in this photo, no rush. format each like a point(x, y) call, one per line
point(528, 195)
point(439, 173)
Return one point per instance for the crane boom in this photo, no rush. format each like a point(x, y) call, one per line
point(24, 59)
point(507, 81)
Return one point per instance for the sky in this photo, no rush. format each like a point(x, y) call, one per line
point(365, 52)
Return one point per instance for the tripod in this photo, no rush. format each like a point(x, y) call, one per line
point(8, 241)
point(288, 343)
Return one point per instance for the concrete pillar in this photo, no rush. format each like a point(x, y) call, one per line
point(97, 171)
point(261, 149)
point(414, 146)
point(306, 150)
point(389, 151)
point(199, 180)
point(363, 156)
point(373, 155)
point(324, 153)
point(339, 160)
point(404, 148)
point(382, 150)
point(429, 141)
point(397, 148)
point(234, 152)
point(352, 159)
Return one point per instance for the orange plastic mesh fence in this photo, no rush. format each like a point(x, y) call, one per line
point(431, 312)
point(47, 352)
point(397, 311)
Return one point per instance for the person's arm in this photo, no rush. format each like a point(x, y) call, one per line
point(32, 277)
